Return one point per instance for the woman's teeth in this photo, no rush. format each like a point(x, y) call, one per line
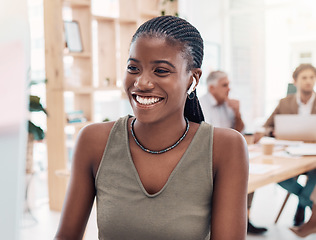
point(147, 100)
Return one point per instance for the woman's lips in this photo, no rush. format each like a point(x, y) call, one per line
point(147, 100)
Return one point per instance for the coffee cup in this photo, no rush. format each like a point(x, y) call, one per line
point(267, 148)
point(267, 145)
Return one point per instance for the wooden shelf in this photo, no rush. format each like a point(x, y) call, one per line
point(62, 72)
point(88, 90)
point(74, 72)
point(63, 173)
point(80, 90)
point(104, 18)
point(108, 88)
point(150, 13)
point(129, 9)
point(78, 54)
point(77, 3)
point(78, 124)
point(128, 21)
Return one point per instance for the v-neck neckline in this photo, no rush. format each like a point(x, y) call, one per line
point(182, 159)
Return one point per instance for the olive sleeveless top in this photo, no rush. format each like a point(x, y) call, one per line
point(181, 210)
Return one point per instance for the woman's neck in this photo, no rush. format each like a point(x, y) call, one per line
point(161, 134)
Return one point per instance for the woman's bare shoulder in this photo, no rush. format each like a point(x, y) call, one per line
point(91, 142)
point(99, 131)
point(229, 146)
point(224, 136)
point(96, 135)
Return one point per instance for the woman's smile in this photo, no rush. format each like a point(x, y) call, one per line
point(146, 101)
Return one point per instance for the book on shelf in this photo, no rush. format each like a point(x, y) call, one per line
point(76, 117)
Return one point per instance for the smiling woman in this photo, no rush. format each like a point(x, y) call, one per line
point(163, 173)
point(166, 80)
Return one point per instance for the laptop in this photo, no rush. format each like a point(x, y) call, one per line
point(295, 127)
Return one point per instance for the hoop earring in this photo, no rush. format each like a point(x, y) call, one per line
point(191, 95)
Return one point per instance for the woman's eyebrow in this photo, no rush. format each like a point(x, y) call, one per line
point(133, 59)
point(153, 62)
point(163, 61)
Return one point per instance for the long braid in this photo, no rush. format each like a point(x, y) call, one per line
point(176, 29)
point(193, 110)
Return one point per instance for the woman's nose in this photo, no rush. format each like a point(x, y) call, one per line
point(143, 83)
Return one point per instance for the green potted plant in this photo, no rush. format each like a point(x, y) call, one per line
point(36, 106)
point(34, 132)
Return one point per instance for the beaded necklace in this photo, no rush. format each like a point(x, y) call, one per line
point(163, 150)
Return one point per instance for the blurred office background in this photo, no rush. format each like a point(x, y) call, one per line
point(258, 42)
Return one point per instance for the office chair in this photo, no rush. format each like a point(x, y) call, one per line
point(282, 207)
point(291, 89)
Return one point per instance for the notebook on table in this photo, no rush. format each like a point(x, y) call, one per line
point(295, 127)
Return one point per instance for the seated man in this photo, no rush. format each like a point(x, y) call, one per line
point(304, 103)
point(220, 111)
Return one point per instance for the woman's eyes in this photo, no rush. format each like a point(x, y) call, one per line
point(132, 69)
point(162, 72)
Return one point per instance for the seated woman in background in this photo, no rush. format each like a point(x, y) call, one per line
point(310, 226)
point(165, 173)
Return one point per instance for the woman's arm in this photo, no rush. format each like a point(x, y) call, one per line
point(81, 190)
point(231, 169)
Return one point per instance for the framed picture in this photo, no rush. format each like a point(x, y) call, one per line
point(73, 36)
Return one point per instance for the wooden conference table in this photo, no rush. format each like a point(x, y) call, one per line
point(275, 168)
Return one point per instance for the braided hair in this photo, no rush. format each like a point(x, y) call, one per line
point(177, 30)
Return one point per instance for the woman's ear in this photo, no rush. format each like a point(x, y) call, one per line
point(192, 86)
point(196, 74)
point(194, 79)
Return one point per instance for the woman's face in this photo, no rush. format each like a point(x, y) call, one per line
point(305, 81)
point(156, 79)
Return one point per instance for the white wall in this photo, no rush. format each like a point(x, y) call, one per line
point(207, 17)
point(260, 42)
point(14, 62)
point(238, 32)
point(290, 30)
